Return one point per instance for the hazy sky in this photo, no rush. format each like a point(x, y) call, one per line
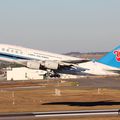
point(61, 25)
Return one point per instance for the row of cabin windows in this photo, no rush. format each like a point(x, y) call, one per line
point(12, 51)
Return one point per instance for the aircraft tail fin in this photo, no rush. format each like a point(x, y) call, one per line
point(112, 58)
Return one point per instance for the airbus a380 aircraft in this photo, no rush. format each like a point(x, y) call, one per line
point(56, 63)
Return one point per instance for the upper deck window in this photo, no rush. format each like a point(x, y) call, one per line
point(16, 51)
point(7, 50)
point(21, 52)
point(12, 51)
point(3, 49)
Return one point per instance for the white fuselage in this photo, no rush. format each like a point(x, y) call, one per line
point(12, 53)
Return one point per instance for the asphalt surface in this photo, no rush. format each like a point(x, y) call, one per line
point(85, 82)
point(98, 82)
point(81, 113)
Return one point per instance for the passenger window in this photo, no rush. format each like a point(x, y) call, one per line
point(12, 51)
point(3, 49)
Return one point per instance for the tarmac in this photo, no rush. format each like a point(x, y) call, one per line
point(59, 114)
point(72, 97)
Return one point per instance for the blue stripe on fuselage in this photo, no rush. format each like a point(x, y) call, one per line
point(15, 57)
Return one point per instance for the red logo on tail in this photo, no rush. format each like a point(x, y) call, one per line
point(117, 53)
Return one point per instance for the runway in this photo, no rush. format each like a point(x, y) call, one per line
point(81, 113)
point(86, 82)
point(98, 82)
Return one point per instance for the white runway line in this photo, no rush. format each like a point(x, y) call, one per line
point(21, 116)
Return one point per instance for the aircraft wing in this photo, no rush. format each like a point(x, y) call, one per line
point(50, 64)
point(53, 68)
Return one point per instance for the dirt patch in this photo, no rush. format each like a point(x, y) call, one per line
point(55, 97)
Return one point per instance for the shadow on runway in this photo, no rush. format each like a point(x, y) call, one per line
point(85, 104)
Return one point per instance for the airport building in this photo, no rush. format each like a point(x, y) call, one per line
point(23, 73)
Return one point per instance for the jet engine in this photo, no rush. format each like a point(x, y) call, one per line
point(33, 64)
point(43, 65)
point(49, 65)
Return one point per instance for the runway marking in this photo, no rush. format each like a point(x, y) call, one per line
point(14, 116)
point(22, 88)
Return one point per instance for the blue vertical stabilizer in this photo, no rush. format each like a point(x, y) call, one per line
point(112, 58)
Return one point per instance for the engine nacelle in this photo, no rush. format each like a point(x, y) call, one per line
point(33, 64)
point(50, 65)
point(43, 65)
